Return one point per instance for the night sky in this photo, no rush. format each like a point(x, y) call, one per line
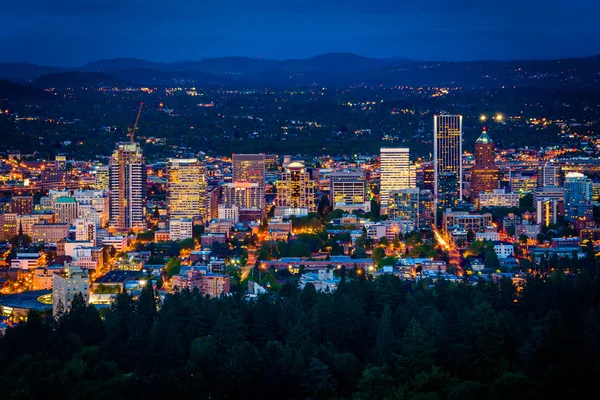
point(70, 32)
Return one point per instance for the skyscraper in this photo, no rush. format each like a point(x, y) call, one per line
point(578, 196)
point(186, 188)
point(295, 191)
point(247, 190)
point(484, 175)
point(447, 155)
point(127, 187)
point(396, 173)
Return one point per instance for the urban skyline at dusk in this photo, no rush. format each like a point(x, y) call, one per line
point(318, 200)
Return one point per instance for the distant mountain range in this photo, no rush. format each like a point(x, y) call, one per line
point(331, 69)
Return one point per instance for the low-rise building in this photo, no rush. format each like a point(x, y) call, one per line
point(49, 233)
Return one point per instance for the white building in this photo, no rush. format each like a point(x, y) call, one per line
point(232, 212)
point(181, 229)
point(27, 261)
point(118, 242)
point(65, 286)
point(93, 205)
point(85, 230)
point(504, 249)
point(323, 280)
point(499, 198)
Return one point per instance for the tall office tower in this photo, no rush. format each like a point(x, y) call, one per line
point(295, 191)
point(102, 179)
point(21, 205)
point(65, 210)
point(447, 155)
point(448, 193)
point(248, 174)
point(348, 191)
point(127, 187)
point(484, 175)
point(396, 173)
point(73, 280)
point(428, 176)
point(186, 188)
point(85, 230)
point(404, 205)
point(578, 196)
point(548, 175)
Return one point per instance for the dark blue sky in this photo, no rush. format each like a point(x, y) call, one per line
point(70, 32)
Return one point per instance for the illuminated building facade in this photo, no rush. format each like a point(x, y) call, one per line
point(484, 175)
point(65, 210)
point(296, 190)
point(348, 191)
point(186, 189)
point(65, 286)
point(396, 173)
point(127, 187)
point(578, 196)
point(447, 156)
point(21, 205)
point(102, 177)
point(548, 174)
point(403, 204)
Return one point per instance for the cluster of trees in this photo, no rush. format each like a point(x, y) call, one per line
point(370, 339)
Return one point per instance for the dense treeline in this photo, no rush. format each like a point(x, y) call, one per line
point(371, 339)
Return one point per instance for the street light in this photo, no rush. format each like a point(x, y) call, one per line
point(499, 117)
point(482, 118)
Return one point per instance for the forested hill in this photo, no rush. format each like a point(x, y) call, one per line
point(371, 339)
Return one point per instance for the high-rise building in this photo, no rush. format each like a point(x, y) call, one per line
point(295, 191)
point(484, 175)
point(65, 286)
point(21, 205)
point(447, 189)
point(548, 174)
point(348, 191)
point(447, 155)
point(127, 187)
point(65, 210)
point(396, 173)
point(186, 189)
point(404, 205)
point(102, 177)
point(578, 196)
point(247, 190)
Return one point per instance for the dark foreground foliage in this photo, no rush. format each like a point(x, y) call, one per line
point(371, 339)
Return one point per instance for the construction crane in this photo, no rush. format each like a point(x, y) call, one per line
point(137, 119)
